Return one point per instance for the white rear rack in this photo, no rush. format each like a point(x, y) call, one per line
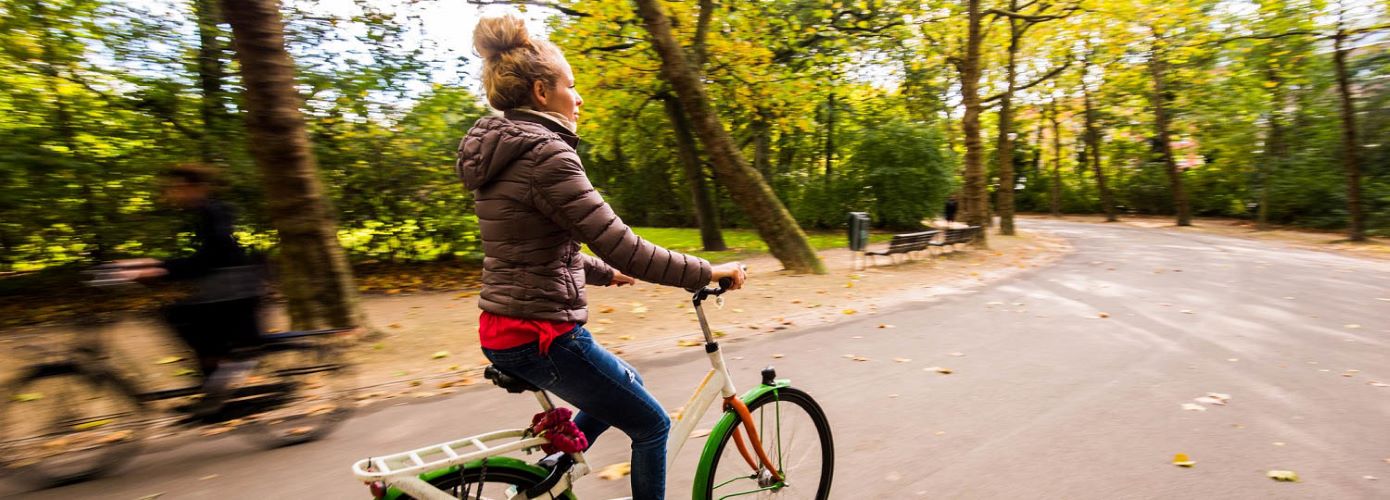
point(439, 456)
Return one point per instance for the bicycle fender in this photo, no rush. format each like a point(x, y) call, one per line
point(492, 463)
point(726, 423)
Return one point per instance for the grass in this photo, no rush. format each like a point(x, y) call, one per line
point(741, 242)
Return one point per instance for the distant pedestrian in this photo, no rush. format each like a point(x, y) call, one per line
point(951, 207)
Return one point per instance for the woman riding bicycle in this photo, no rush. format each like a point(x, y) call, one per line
point(535, 207)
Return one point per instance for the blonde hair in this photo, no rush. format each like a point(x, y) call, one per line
point(512, 60)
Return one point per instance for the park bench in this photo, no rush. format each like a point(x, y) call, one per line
point(904, 244)
point(955, 236)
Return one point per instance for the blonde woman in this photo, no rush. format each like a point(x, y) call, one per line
point(535, 207)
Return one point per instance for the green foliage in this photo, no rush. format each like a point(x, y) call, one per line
point(906, 171)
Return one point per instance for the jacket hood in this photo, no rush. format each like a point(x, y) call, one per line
point(494, 144)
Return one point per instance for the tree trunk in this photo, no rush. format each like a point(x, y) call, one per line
point(314, 272)
point(1056, 199)
point(1107, 200)
point(1350, 154)
point(1004, 198)
point(775, 225)
point(976, 197)
point(705, 213)
point(1274, 145)
point(762, 145)
point(1158, 68)
point(210, 75)
point(829, 138)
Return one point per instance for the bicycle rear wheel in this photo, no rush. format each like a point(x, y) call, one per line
point(796, 436)
point(499, 481)
point(62, 424)
point(300, 391)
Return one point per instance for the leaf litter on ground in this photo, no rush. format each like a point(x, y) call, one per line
point(1182, 460)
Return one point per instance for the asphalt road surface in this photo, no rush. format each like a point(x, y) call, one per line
point(1048, 399)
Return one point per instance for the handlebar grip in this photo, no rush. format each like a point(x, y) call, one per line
point(725, 283)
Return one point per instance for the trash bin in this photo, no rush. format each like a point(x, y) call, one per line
point(858, 231)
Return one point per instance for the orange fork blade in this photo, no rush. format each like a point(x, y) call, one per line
point(747, 418)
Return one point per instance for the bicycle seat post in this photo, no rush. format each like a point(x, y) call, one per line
point(544, 400)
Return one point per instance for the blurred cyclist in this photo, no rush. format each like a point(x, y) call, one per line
point(218, 318)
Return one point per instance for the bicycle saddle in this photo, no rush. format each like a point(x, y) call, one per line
point(511, 383)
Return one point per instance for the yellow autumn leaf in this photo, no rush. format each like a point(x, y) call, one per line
point(1182, 460)
point(616, 471)
point(1283, 475)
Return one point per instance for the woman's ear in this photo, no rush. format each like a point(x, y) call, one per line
point(538, 93)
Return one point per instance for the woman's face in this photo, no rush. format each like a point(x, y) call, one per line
point(563, 98)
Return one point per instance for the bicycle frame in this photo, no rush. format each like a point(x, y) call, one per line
point(402, 470)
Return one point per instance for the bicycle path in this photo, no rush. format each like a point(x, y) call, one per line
point(1067, 382)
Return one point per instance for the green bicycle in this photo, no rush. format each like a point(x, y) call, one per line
point(782, 446)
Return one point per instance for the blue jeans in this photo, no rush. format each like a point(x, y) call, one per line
point(607, 391)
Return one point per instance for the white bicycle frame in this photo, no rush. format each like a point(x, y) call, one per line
point(402, 470)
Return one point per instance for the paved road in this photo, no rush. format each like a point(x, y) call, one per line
point(1049, 400)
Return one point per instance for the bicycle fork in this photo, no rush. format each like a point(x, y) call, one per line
point(733, 403)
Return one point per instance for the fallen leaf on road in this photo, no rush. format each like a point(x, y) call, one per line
point(902, 360)
point(1103, 315)
point(938, 369)
point(699, 433)
point(440, 355)
point(855, 357)
point(168, 360)
point(605, 321)
point(185, 372)
point(849, 311)
point(1223, 397)
point(1182, 460)
point(1350, 373)
point(885, 326)
point(615, 471)
point(639, 309)
point(1209, 401)
point(608, 309)
point(394, 325)
point(777, 356)
point(1369, 478)
point(1377, 384)
point(27, 397)
point(626, 337)
point(1186, 311)
point(1193, 407)
point(1283, 475)
point(737, 310)
point(686, 343)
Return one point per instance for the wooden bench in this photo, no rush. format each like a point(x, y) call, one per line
point(956, 236)
point(905, 244)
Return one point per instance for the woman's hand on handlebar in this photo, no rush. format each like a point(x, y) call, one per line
point(733, 270)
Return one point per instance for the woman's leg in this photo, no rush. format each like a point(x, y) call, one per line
point(607, 391)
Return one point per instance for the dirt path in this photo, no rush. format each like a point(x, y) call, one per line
point(428, 342)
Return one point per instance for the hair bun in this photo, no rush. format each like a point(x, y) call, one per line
point(498, 35)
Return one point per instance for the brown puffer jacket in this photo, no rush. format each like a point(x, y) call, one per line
point(535, 206)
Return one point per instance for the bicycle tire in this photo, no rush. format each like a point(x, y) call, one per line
point(305, 389)
point(782, 406)
point(41, 438)
point(497, 481)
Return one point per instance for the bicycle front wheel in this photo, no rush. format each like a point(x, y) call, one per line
point(795, 435)
point(62, 424)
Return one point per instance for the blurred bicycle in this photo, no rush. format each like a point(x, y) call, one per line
point(71, 414)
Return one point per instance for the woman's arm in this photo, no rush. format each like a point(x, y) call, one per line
point(563, 192)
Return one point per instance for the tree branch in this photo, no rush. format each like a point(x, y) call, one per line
point(1055, 71)
point(534, 3)
point(610, 48)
